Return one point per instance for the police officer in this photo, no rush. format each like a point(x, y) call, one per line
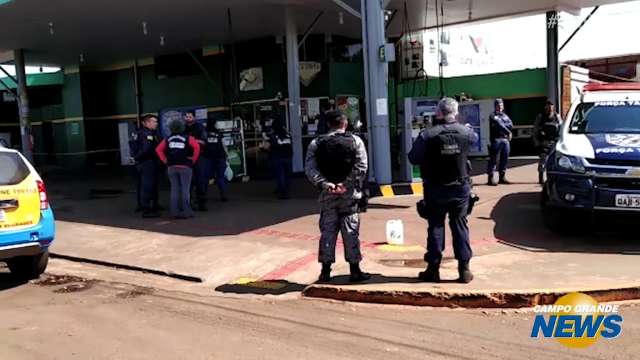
point(442, 152)
point(546, 130)
point(215, 157)
point(280, 155)
point(336, 163)
point(148, 166)
point(323, 126)
point(200, 180)
point(501, 133)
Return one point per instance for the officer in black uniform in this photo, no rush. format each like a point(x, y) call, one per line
point(280, 156)
point(201, 172)
point(546, 130)
point(215, 156)
point(148, 166)
point(442, 153)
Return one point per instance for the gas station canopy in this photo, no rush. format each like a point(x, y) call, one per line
point(107, 31)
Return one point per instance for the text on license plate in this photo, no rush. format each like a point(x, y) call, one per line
point(3, 216)
point(628, 201)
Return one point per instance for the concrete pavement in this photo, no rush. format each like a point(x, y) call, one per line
point(258, 245)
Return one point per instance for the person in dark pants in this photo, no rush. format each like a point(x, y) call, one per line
point(501, 133)
point(280, 155)
point(336, 163)
point(148, 166)
point(200, 180)
point(442, 153)
point(215, 157)
point(323, 124)
point(180, 152)
point(546, 130)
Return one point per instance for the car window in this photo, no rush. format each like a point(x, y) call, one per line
point(606, 117)
point(12, 169)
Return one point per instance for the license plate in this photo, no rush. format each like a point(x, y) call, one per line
point(3, 216)
point(628, 201)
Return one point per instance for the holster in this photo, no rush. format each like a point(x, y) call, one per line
point(421, 206)
point(473, 199)
point(363, 203)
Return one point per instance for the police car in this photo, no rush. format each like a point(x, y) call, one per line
point(595, 166)
point(27, 226)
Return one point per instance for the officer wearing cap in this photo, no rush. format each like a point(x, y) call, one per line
point(336, 163)
point(442, 153)
point(148, 166)
point(200, 180)
point(501, 133)
point(546, 130)
point(215, 156)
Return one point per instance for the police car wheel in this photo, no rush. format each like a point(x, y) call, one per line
point(29, 267)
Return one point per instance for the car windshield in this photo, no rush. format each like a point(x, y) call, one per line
point(14, 170)
point(606, 117)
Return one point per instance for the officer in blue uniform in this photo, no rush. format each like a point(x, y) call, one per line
point(501, 133)
point(280, 156)
point(201, 171)
point(148, 166)
point(442, 153)
point(215, 156)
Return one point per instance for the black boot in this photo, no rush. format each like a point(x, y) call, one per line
point(540, 178)
point(325, 273)
point(431, 274)
point(491, 181)
point(503, 180)
point(357, 275)
point(465, 274)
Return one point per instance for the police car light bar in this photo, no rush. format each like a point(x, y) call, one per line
point(612, 86)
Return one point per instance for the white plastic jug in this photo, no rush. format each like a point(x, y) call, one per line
point(395, 232)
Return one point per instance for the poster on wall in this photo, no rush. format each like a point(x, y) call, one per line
point(470, 114)
point(169, 114)
point(251, 79)
point(476, 113)
point(350, 106)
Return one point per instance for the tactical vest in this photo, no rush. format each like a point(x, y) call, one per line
point(447, 152)
point(336, 156)
point(281, 145)
point(550, 129)
point(214, 148)
point(179, 151)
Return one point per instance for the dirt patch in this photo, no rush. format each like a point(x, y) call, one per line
point(134, 293)
point(56, 280)
point(75, 287)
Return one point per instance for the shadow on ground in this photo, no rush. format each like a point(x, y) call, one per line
point(518, 222)
point(262, 287)
point(109, 199)
point(8, 281)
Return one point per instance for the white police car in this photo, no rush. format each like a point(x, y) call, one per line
point(596, 163)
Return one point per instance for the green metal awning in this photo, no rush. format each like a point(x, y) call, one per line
point(56, 78)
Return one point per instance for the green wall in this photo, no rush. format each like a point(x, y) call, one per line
point(181, 91)
point(108, 93)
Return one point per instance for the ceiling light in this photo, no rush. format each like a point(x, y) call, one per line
point(162, 41)
point(144, 28)
point(51, 30)
point(341, 17)
point(82, 58)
